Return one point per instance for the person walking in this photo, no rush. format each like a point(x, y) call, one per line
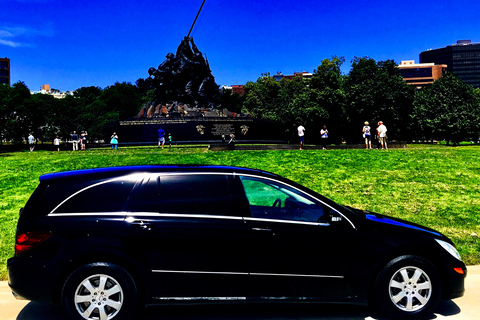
point(56, 143)
point(31, 142)
point(75, 140)
point(324, 136)
point(114, 141)
point(382, 133)
point(367, 135)
point(301, 135)
point(161, 137)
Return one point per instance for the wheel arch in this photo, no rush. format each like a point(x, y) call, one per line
point(135, 269)
point(424, 253)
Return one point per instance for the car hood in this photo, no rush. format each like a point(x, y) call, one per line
point(386, 221)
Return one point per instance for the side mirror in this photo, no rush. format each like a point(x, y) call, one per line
point(334, 217)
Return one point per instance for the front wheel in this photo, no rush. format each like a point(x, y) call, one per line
point(99, 291)
point(407, 288)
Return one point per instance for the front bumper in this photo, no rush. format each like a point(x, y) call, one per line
point(456, 283)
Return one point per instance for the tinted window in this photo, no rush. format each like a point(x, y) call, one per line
point(272, 200)
point(188, 194)
point(108, 196)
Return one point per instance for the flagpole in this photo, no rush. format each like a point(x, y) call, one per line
point(194, 21)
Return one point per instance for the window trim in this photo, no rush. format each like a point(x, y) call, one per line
point(132, 177)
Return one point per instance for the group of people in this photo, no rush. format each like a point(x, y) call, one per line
point(78, 140)
point(381, 135)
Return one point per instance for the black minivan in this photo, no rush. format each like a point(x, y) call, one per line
point(104, 242)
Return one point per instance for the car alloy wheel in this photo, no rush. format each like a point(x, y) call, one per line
point(99, 297)
point(410, 289)
point(100, 291)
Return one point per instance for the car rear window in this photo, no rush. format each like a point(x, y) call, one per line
point(107, 196)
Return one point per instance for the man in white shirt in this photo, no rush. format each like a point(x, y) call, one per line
point(382, 133)
point(301, 135)
point(31, 142)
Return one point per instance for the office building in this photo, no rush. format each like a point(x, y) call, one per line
point(5, 71)
point(421, 74)
point(462, 59)
point(279, 76)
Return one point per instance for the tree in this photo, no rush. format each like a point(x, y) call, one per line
point(5, 106)
point(16, 111)
point(328, 85)
point(99, 107)
point(231, 101)
point(447, 110)
point(376, 91)
point(262, 98)
point(123, 98)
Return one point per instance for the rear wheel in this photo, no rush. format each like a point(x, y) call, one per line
point(407, 288)
point(100, 291)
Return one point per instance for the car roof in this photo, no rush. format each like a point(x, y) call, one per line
point(123, 170)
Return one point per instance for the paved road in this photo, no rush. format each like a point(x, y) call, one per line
point(465, 308)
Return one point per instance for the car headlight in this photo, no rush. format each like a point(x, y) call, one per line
point(451, 249)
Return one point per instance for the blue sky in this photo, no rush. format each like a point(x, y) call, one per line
point(72, 44)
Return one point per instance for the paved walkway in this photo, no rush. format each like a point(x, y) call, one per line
point(464, 308)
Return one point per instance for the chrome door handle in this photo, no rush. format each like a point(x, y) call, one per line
point(142, 225)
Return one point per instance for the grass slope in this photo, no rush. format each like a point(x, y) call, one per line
point(434, 186)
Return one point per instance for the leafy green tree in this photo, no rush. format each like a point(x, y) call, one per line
point(86, 95)
point(447, 110)
point(5, 106)
point(329, 95)
point(99, 107)
point(262, 98)
point(231, 101)
point(376, 91)
point(15, 112)
point(40, 116)
point(123, 98)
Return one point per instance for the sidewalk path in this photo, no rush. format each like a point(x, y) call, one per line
point(464, 308)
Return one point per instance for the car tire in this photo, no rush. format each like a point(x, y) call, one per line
point(101, 291)
point(409, 287)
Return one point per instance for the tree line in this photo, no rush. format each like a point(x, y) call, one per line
point(372, 91)
point(88, 109)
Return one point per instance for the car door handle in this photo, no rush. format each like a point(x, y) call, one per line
point(262, 229)
point(142, 225)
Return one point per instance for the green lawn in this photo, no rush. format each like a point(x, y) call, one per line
point(437, 186)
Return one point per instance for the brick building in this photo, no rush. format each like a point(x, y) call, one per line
point(5, 71)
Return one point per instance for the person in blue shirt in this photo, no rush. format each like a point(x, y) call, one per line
point(161, 137)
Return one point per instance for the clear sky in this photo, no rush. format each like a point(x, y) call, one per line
point(71, 44)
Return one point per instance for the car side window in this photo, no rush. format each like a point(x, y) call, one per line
point(188, 194)
point(110, 196)
point(273, 200)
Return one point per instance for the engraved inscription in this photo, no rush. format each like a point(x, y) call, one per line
point(222, 129)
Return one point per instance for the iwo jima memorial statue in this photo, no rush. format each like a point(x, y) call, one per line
point(186, 104)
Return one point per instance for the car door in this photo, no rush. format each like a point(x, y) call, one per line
point(298, 246)
point(187, 230)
